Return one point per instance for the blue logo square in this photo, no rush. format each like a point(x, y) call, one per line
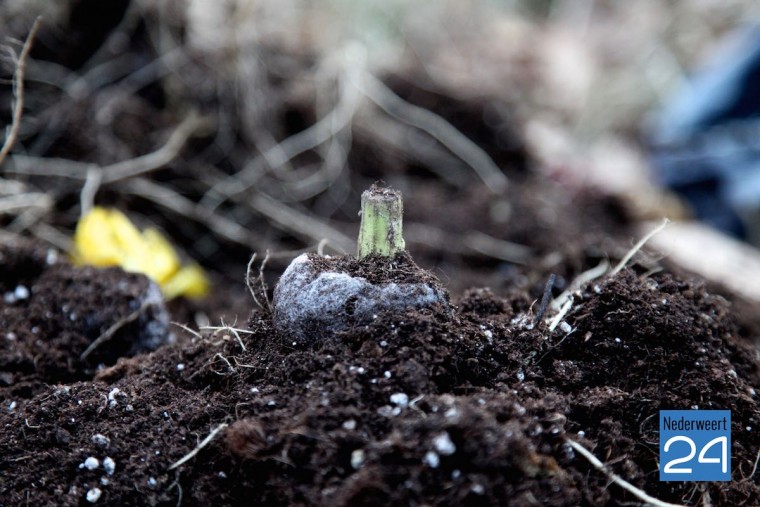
point(695, 445)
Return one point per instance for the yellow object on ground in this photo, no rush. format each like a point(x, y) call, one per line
point(106, 237)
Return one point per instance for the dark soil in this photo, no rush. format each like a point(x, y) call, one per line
point(470, 406)
point(377, 269)
point(421, 407)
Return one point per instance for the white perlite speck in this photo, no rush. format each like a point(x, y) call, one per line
point(112, 401)
point(90, 463)
point(21, 292)
point(357, 459)
point(100, 440)
point(443, 444)
point(400, 399)
point(93, 495)
point(51, 257)
point(431, 459)
point(109, 466)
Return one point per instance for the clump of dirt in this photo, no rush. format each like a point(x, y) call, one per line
point(61, 323)
point(474, 407)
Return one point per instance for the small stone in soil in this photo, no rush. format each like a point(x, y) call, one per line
point(101, 440)
point(443, 444)
point(90, 463)
point(93, 495)
point(112, 401)
point(21, 292)
point(109, 465)
point(400, 399)
point(357, 459)
point(431, 459)
point(51, 257)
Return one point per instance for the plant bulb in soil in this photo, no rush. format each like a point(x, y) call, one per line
point(319, 297)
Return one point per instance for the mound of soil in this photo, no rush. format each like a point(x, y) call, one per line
point(473, 403)
point(474, 407)
point(61, 323)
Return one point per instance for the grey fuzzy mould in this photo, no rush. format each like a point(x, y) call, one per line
point(307, 302)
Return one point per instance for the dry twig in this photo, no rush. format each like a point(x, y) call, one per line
point(262, 288)
point(169, 199)
point(641, 495)
point(10, 204)
point(624, 261)
point(89, 189)
point(226, 361)
point(579, 281)
point(190, 455)
point(545, 299)
point(112, 330)
point(193, 332)
point(231, 329)
point(18, 86)
point(159, 158)
point(497, 248)
point(298, 223)
point(329, 127)
point(71, 169)
point(440, 129)
point(560, 315)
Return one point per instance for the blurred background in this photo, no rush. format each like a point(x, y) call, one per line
point(526, 136)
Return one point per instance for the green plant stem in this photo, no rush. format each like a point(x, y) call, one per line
point(380, 232)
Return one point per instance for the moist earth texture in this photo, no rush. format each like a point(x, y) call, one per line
point(473, 405)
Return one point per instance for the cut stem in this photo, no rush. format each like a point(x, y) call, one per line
point(380, 232)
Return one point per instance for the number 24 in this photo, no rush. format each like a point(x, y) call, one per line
point(723, 460)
